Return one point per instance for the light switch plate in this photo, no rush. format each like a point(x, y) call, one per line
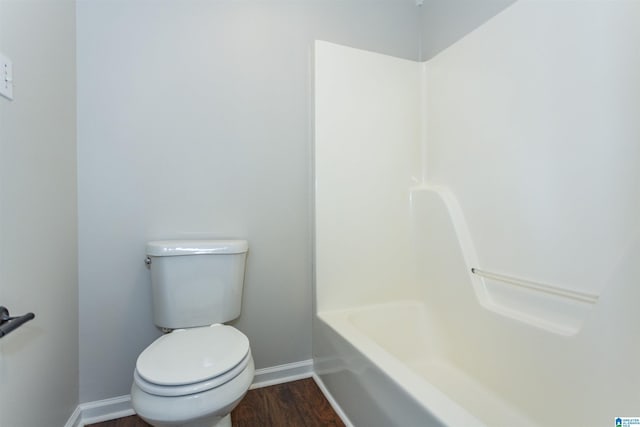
point(6, 77)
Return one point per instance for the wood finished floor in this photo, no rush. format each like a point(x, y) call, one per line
point(294, 404)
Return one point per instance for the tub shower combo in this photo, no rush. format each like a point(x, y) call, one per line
point(476, 225)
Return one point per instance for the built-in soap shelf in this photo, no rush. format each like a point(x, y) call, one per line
point(553, 308)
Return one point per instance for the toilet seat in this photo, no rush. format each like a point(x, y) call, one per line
point(189, 361)
point(199, 387)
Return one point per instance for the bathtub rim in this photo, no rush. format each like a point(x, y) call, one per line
point(434, 401)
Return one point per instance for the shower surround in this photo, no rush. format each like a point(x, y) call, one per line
point(477, 227)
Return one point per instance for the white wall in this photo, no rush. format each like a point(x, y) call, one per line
point(38, 238)
point(367, 156)
point(194, 121)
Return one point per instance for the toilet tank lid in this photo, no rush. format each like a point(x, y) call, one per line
point(196, 247)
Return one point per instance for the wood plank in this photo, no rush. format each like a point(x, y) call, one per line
point(294, 404)
point(132, 421)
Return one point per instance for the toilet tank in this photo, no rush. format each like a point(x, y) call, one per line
point(196, 282)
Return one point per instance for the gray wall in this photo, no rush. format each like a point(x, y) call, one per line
point(446, 21)
point(195, 121)
point(38, 238)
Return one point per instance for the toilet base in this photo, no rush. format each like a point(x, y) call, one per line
point(225, 422)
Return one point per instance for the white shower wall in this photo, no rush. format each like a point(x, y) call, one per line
point(367, 153)
point(531, 123)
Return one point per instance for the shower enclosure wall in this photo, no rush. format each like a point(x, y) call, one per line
point(477, 229)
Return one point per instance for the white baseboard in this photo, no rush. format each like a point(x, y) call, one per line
point(118, 407)
point(75, 420)
point(334, 404)
point(101, 410)
point(282, 374)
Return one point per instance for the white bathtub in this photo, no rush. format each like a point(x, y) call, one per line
point(389, 367)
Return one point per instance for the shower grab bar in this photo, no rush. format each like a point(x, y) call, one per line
point(9, 324)
point(541, 287)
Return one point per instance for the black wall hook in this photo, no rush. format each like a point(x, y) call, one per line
point(8, 323)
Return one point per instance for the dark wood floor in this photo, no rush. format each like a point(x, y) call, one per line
point(295, 404)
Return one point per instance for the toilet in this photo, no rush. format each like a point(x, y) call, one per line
point(197, 372)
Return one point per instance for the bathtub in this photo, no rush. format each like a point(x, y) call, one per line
point(387, 365)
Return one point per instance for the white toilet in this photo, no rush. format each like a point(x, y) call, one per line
point(195, 375)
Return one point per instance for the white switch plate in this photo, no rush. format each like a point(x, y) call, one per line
point(6, 77)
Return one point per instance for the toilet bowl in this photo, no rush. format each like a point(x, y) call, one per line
point(192, 377)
